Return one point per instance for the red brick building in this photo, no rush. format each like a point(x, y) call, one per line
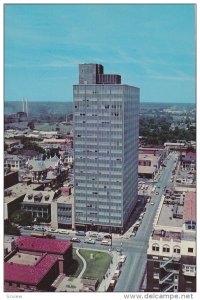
point(35, 263)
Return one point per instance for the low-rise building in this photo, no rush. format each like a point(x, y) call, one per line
point(62, 212)
point(15, 162)
point(188, 161)
point(149, 165)
point(38, 203)
point(171, 255)
point(10, 178)
point(35, 264)
point(14, 195)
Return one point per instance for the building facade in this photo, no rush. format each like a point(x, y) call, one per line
point(171, 256)
point(106, 130)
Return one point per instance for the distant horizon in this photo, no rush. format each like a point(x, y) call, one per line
point(71, 101)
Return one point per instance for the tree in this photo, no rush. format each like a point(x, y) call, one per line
point(22, 217)
point(10, 228)
point(33, 146)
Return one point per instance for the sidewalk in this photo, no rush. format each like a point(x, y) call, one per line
point(110, 272)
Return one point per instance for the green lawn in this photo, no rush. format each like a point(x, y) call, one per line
point(97, 266)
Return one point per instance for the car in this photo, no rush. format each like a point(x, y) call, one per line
point(52, 230)
point(118, 249)
point(99, 238)
point(135, 229)
point(106, 243)
point(122, 258)
point(152, 203)
point(89, 241)
point(148, 200)
point(80, 233)
point(108, 236)
point(140, 218)
point(28, 227)
point(133, 233)
point(40, 229)
point(75, 240)
point(93, 234)
point(62, 231)
point(157, 193)
point(138, 222)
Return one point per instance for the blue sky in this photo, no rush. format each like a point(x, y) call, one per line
point(150, 46)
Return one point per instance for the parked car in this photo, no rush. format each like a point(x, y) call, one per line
point(28, 227)
point(107, 236)
point(63, 231)
point(122, 258)
point(99, 238)
point(75, 240)
point(138, 222)
point(133, 234)
point(80, 233)
point(40, 229)
point(93, 234)
point(52, 230)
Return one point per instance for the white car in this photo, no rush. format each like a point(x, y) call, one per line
point(52, 230)
point(152, 203)
point(63, 231)
point(122, 258)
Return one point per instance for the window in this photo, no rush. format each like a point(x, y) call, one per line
point(190, 250)
point(156, 275)
point(177, 249)
point(166, 248)
point(155, 247)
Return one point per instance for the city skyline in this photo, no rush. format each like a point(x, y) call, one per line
point(151, 46)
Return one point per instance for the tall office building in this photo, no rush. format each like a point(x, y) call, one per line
point(106, 129)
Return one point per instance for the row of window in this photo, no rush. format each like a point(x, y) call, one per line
point(166, 248)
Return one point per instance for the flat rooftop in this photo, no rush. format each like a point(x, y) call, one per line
point(166, 216)
point(189, 213)
point(65, 199)
point(24, 259)
point(19, 190)
point(39, 197)
point(166, 236)
point(146, 169)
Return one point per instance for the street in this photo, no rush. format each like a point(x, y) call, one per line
point(135, 247)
